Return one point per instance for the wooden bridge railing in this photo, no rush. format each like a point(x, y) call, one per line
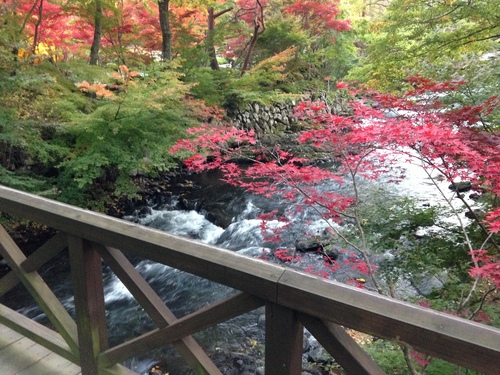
point(292, 300)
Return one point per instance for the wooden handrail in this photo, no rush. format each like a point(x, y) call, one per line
point(289, 295)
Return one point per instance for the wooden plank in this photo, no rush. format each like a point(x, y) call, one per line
point(38, 360)
point(13, 356)
point(86, 273)
point(25, 359)
point(473, 345)
point(21, 356)
point(42, 367)
point(52, 364)
point(185, 326)
point(45, 253)
point(8, 282)
point(8, 336)
point(152, 304)
point(346, 352)
point(42, 294)
point(36, 331)
point(4, 328)
point(284, 341)
point(15, 346)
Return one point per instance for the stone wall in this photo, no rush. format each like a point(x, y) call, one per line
point(277, 119)
point(263, 119)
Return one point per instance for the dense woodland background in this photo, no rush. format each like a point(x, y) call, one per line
point(96, 92)
point(66, 124)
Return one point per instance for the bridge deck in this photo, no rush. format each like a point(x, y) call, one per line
point(21, 356)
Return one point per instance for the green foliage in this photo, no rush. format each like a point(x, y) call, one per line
point(125, 136)
point(28, 182)
point(482, 75)
point(89, 146)
point(327, 59)
point(78, 70)
point(435, 39)
point(210, 85)
point(272, 69)
point(24, 141)
point(391, 217)
point(339, 57)
point(264, 82)
point(413, 244)
point(7, 56)
point(193, 55)
point(37, 101)
point(428, 24)
point(382, 69)
point(233, 101)
point(389, 357)
point(26, 148)
point(279, 36)
point(45, 93)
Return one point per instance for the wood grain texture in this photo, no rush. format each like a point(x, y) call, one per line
point(86, 273)
point(284, 341)
point(11, 321)
point(21, 356)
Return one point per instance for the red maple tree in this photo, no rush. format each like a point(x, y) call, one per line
point(318, 17)
point(367, 144)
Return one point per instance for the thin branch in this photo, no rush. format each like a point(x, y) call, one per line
point(441, 15)
point(483, 299)
point(222, 12)
point(472, 34)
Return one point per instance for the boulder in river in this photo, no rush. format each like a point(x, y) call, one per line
point(306, 244)
point(461, 186)
point(315, 244)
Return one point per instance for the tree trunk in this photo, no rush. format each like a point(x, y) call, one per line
point(96, 42)
point(16, 41)
point(214, 64)
point(251, 46)
point(36, 35)
point(210, 42)
point(166, 32)
point(258, 28)
point(119, 35)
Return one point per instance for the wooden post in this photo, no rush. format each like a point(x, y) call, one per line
point(86, 272)
point(284, 338)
